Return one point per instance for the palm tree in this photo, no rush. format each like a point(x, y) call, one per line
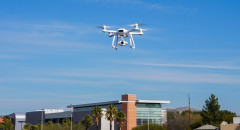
point(87, 121)
point(111, 113)
point(121, 119)
point(97, 113)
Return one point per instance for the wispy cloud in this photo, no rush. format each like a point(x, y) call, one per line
point(189, 66)
point(19, 38)
point(57, 81)
point(15, 57)
point(138, 74)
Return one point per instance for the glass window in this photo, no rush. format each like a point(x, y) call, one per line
point(148, 113)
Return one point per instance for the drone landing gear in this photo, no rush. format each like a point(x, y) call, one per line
point(132, 44)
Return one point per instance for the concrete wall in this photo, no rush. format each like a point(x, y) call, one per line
point(236, 120)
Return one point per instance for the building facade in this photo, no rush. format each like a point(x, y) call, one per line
point(18, 120)
point(138, 112)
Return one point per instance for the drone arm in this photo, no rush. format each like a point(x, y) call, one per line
point(108, 31)
point(136, 33)
point(131, 30)
point(133, 44)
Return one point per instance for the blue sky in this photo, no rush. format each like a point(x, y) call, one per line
point(52, 54)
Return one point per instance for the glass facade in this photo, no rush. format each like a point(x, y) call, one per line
point(149, 113)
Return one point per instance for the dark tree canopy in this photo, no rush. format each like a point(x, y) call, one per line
point(87, 121)
point(211, 113)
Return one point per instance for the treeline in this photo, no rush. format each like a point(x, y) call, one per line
point(210, 114)
point(7, 123)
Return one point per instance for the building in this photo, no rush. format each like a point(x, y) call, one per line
point(138, 112)
point(207, 127)
point(18, 120)
point(236, 124)
point(236, 120)
point(45, 115)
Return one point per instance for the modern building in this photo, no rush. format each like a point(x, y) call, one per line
point(138, 112)
point(18, 120)
point(45, 115)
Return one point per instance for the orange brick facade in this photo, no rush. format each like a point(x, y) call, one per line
point(130, 109)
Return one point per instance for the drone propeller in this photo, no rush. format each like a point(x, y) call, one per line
point(139, 24)
point(144, 29)
point(104, 26)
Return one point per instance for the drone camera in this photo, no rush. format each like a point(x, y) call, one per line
point(122, 43)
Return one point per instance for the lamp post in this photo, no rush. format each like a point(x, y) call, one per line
point(42, 120)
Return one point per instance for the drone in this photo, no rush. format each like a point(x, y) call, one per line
point(123, 33)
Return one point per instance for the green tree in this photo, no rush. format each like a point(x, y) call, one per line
point(7, 123)
point(195, 118)
point(121, 119)
point(111, 113)
point(33, 127)
point(97, 113)
point(27, 126)
point(1, 126)
point(78, 126)
point(66, 124)
point(211, 113)
point(228, 116)
point(151, 127)
point(87, 121)
point(176, 121)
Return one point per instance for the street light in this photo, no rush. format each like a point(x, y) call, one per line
point(42, 120)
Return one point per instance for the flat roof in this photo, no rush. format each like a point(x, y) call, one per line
point(96, 104)
point(118, 102)
point(153, 101)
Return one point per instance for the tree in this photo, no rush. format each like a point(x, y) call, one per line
point(121, 119)
point(27, 126)
point(66, 124)
point(7, 123)
point(97, 113)
point(211, 113)
point(33, 127)
point(111, 113)
point(176, 121)
point(228, 116)
point(151, 127)
point(87, 121)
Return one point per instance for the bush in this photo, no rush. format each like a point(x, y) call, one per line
point(151, 127)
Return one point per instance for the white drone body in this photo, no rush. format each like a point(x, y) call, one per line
point(123, 33)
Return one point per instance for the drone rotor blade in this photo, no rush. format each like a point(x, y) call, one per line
point(139, 24)
point(104, 26)
point(144, 29)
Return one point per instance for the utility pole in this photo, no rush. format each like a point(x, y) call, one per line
point(189, 109)
point(42, 120)
point(71, 109)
